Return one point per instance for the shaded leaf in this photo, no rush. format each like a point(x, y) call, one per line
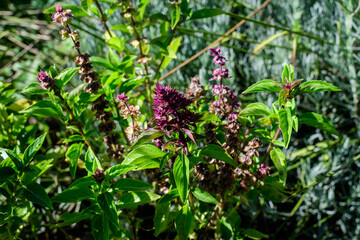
point(226, 229)
point(181, 176)
point(183, 222)
point(77, 191)
point(36, 170)
point(68, 219)
point(107, 204)
point(133, 199)
point(254, 234)
point(171, 195)
point(217, 152)
point(204, 196)
point(318, 121)
point(100, 227)
point(33, 148)
point(6, 173)
point(161, 218)
point(128, 184)
point(35, 193)
point(206, 13)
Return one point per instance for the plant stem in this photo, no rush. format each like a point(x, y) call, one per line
point(68, 28)
point(271, 145)
point(78, 123)
point(122, 129)
point(215, 42)
point(102, 17)
point(171, 38)
point(138, 38)
point(52, 219)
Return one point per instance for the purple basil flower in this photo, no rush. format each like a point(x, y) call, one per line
point(216, 53)
point(220, 73)
point(232, 116)
point(220, 89)
point(171, 114)
point(263, 171)
point(45, 80)
point(61, 15)
point(122, 98)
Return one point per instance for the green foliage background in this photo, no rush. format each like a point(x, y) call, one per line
point(326, 39)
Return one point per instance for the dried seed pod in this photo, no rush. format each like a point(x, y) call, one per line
point(93, 87)
point(255, 143)
point(82, 59)
point(90, 77)
point(85, 68)
point(105, 116)
point(106, 126)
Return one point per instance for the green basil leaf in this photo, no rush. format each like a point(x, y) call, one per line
point(226, 229)
point(36, 170)
point(65, 76)
point(77, 191)
point(133, 199)
point(183, 222)
point(171, 195)
point(264, 86)
point(127, 184)
point(44, 109)
point(206, 13)
point(217, 152)
point(15, 158)
point(100, 227)
point(318, 121)
point(207, 117)
point(33, 148)
point(161, 218)
point(91, 161)
point(35, 193)
point(146, 136)
point(317, 86)
point(279, 160)
point(117, 170)
point(254, 234)
point(285, 122)
point(107, 204)
point(204, 196)
point(181, 176)
point(73, 154)
point(144, 157)
point(175, 17)
point(71, 218)
point(255, 109)
point(102, 62)
point(6, 173)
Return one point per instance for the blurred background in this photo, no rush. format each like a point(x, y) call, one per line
point(320, 38)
